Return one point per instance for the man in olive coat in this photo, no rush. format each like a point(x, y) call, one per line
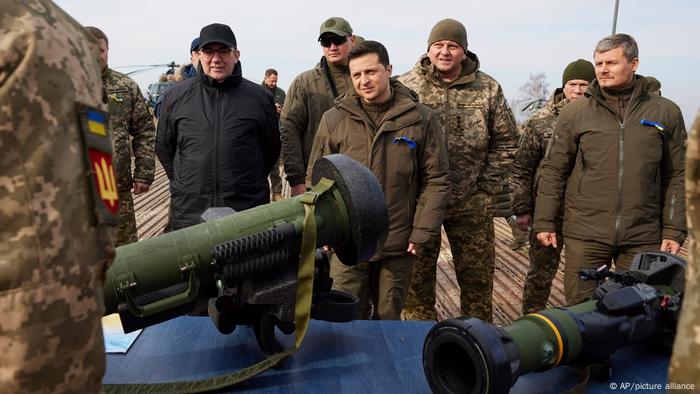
point(384, 127)
point(310, 95)
point(616, 163)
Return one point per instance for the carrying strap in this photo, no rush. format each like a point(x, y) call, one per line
point(302, 314)
point(599, 371)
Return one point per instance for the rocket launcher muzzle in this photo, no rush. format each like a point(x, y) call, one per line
point(245, 263)
point(467, 355)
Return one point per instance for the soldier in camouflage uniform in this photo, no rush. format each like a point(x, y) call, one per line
point(55, 240)
point(481, 136)
point(132, 130)
point(537, 132)
point(685, 364)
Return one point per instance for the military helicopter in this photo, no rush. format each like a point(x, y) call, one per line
point(157, 88)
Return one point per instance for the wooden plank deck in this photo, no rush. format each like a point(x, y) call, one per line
point(511, 266)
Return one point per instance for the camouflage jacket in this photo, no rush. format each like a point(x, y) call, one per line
point(685, 364)
point(132, 130)
point(53, 254)
point(311, 94)
point(405, 153)
point(537, 132)
point(476, 122)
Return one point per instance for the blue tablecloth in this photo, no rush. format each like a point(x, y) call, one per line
point(358, 357)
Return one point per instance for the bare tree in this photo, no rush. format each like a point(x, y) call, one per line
point(532, 96)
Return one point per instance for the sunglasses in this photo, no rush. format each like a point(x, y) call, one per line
point(329, 40)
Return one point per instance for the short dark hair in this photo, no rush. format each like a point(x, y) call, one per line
point(270, 71)
point(368, 46)
point(97, 33)
point(627, 42)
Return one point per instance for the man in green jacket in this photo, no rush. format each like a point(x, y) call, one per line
point(537, 133)
point(615, 166)
point(270, 83)
point(481, 137)
point(384, 127)
point(310, 95)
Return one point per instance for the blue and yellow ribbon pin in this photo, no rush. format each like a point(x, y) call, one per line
point(659, 126)
point(409, 142)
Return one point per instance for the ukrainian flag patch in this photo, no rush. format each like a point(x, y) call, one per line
point(96, 123)
point(97, 145)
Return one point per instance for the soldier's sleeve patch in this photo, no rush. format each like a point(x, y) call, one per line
point(96, 122)
point(104, 178)
point(97, 144)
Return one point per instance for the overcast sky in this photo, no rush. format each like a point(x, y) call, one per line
point(512, 38)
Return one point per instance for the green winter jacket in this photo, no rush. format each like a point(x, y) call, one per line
point(620, 179)
point(310, 95)
point(278, 94)
point(406, 155)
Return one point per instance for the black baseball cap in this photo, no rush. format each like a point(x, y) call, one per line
point(217, 32)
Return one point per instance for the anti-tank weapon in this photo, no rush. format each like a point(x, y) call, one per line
point(467, 355)
point(245, 263)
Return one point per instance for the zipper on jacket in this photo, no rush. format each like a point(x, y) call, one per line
point(620, 174)
point(215, 144)
point(631, 106)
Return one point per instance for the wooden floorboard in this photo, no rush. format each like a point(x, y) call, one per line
point(510, 269)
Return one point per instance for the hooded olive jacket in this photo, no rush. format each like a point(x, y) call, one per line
point(404, 152)
point(620, 180)
point(476, 122)
point(310, 95)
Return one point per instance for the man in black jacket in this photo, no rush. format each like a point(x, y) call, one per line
point(218, 136)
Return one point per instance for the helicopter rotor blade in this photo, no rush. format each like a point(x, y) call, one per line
point(146, 67)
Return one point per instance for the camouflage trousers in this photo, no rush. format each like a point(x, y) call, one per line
point(380, 285)
point(276, 179)
point(544, 262)
point(470, 231)
point(126, 230)
point(582, 254)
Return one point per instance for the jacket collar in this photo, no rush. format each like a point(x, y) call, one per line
point(404, 101)
point(640, 92)
point(231, 81)
point(323, 68)
point(470, 67)
point(557, 101)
